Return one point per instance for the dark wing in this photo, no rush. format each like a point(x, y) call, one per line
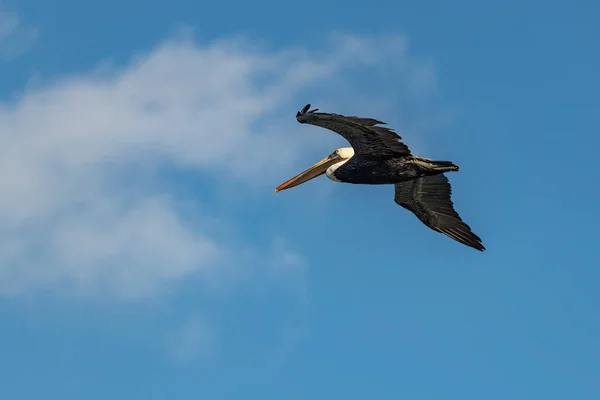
point(362, 134)
point(428, 198)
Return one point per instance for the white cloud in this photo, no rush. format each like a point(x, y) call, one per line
point(83, 205)
point(15, 37)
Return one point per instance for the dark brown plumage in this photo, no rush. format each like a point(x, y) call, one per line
point(429, 198)
point(362, 134)
point(377, 156)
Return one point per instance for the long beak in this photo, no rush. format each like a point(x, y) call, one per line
point(311, 173)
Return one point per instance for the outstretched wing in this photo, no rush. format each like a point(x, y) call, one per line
point(428, 198)
point(364, 136)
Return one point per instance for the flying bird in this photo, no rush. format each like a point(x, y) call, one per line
point(377, 157)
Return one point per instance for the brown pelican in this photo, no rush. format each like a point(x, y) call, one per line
point(377, 157)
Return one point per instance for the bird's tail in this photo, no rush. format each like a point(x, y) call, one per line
point(444, 166)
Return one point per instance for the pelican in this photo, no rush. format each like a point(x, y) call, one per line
point(378, 157)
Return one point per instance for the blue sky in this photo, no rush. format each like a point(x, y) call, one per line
point(144, 254)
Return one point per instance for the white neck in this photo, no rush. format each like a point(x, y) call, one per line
point(333, 168)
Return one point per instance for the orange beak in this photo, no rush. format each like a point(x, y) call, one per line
point(315, 170)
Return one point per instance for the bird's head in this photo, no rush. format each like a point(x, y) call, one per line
point(334, 160)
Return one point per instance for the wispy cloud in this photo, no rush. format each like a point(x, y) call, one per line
point(15, 37)
point(85, 207)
